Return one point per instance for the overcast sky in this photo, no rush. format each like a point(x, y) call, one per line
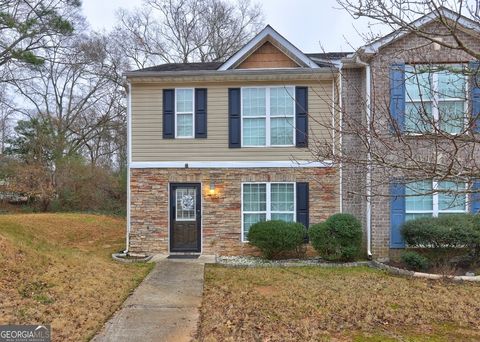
point(308, 24)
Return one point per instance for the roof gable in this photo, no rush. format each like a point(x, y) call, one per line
point(463, 21)
point(267, 56)
point(268, 34)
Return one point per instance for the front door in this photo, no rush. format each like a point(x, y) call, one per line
point(185, 217)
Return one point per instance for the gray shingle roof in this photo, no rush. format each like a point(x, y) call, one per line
point(216, 65)
point(183, 67)
point(328, 55)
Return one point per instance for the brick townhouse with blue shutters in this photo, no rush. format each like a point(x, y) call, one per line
point(215, 147)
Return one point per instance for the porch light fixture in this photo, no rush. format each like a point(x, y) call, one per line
point(211, 191)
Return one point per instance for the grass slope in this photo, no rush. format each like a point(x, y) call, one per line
point(56, 269)
point(338, 304)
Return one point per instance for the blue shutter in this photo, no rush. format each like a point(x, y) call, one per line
point(200, 113)
point(303, 205)
point(397, 214)
point(475, 198)
point(397, 96)
point(168, 113)
point(234, 118)
point(475, 95)
point(301, 116)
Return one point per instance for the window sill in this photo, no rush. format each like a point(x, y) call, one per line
point(434, 134)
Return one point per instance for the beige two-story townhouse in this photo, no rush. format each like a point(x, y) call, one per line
point(215, 147)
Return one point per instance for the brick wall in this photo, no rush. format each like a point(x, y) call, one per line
point(409, 49)
point(353, 175)
point(221, 217)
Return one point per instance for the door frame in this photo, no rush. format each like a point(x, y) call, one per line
point(171, 216)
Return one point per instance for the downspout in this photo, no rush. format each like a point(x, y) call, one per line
point(369, 163)
point(368, 179)
point(129, 160)
point(340, 106)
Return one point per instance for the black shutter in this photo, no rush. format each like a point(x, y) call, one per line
point(168, 113)
point(234, 118)
point(302, 205)
point(301, 116)
point(200, 113)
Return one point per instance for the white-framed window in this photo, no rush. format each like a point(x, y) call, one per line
point(268, 116)
point(435, 97)
point(427, 199)
point(184, 113)
point(267, 201)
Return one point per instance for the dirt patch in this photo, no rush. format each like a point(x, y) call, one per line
point(266, 291)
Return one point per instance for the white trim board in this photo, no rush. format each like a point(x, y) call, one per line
point(267, 32)
point(227, 164)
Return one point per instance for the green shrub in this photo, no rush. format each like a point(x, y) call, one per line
point(415, 261)
point(275, 238)
point(338, 238)
point(445, 236)
point(446, 231)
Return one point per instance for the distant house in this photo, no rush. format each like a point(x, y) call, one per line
point(215, 147)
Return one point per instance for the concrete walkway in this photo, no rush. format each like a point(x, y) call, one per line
point(164, 307)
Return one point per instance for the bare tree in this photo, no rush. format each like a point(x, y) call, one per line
point(168, 31)
point(433, 134)
point(77, 91)
point(7, 116)
point(401, 17)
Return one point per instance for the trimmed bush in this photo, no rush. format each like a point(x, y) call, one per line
point(275, 238)
point(415, 261)
point(446, 231)
point(445, 236)
point(338, 238)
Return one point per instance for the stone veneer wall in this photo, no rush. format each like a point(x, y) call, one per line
point(221, 218)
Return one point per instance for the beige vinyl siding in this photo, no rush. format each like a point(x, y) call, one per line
point(149, 146)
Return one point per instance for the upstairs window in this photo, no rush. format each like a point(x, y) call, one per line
point(184, 120)
point(268, 116)
point(435, 99)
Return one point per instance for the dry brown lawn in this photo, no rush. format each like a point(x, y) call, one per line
point(56, 269)
point(338, 304)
